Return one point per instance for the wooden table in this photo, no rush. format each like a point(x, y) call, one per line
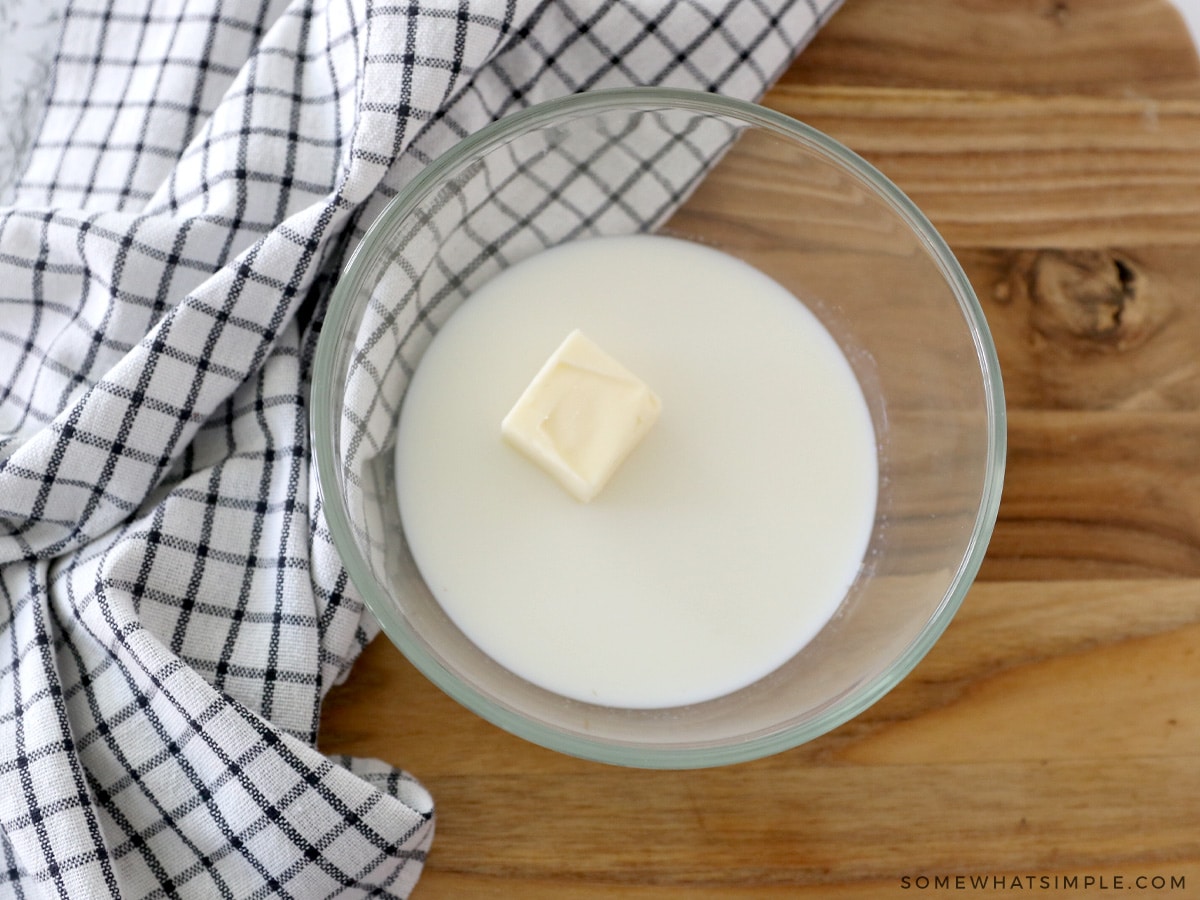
point(1054, 731)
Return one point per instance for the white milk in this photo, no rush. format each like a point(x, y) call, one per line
point(723, 543)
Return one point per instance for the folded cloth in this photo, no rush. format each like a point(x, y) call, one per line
point(173, 610)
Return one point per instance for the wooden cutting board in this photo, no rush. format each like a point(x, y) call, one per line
point(1053, 734)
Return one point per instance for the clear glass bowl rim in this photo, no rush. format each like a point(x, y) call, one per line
point(325, 408)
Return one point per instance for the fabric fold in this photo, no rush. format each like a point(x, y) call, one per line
point(173, 611)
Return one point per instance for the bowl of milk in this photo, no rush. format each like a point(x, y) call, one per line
point(658, 428)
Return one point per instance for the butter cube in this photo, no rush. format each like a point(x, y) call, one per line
point(581, 416)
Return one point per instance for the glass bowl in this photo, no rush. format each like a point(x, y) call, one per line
point(786, 199)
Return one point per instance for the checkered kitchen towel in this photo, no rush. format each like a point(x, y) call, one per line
point(172, 608)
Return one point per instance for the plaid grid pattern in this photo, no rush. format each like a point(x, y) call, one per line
point(173, 609)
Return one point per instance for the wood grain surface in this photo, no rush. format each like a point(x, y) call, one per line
point(1054, 731)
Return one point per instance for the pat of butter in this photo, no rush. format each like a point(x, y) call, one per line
point(581, 416)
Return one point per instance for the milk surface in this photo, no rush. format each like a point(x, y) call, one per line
point(721, 545)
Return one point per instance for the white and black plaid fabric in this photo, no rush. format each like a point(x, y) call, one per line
point(173, 610)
